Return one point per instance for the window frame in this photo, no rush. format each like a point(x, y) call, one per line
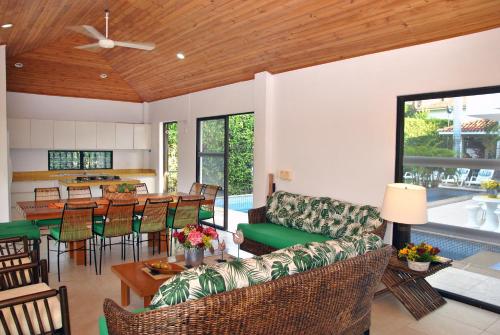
point(80, 163)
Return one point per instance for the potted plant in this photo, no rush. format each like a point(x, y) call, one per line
point(195, 239)
point(119, 192)
point(491, 187)
point(420, 256)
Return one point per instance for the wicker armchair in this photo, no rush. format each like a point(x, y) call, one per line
point(258, 215)
point(335, 299)
point(196, 189)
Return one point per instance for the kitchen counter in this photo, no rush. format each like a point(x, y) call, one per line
point(69, 174)
point(74, 182)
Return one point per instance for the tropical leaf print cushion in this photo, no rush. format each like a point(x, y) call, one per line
point(212, 279)
point(321, 215)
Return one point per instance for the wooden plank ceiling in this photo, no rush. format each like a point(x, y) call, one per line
point(225, 41)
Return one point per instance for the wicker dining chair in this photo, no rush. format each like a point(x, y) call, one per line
point(141, 188)
point(76, 226)
point(117, 223)
point(207, 212)
point(79, 192)
point(196, 188)
point(34, 309)
point(187, 210)
point(152, 220)
point(44, 194)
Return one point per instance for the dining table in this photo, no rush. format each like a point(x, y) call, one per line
point(53, 209)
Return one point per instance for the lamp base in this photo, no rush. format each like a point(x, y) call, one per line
point(401, 235)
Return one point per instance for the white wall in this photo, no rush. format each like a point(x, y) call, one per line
point(335, 124)
point(186, 109)
point(4, 146)
point(46, 107)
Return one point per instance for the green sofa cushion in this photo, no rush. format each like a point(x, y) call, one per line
point(103, 327)
point(211, 279)
point(277, 236)
point(321, 215)
point(20, 228)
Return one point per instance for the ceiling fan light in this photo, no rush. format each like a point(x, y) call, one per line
point(180, 55)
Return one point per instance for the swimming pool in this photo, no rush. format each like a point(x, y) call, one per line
point(240, 203)
point(435, 194)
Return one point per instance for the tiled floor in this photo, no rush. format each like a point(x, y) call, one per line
point(87, 292)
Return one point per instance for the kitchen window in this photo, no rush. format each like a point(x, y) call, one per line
point(80, 160)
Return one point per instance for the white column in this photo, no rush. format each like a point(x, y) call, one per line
point(263, 165)
point(4, 144)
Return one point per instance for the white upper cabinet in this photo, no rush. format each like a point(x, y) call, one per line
point(42, 134)
point(124, 136)
point(86, 135)
point(106, 135)
point(19, 133)
point(142, 136)
point(64, 134)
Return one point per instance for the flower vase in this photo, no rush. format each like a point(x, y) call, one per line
point(419, 266)
point(492, 193)
point(194, 256)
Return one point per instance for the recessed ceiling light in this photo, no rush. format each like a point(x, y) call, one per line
point(103, 76)
point(19, 65)
point(180, 55)
point(7, 25)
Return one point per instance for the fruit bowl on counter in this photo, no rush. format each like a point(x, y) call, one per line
point(119, 192)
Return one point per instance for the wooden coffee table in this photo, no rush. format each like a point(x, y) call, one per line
point(145, 286)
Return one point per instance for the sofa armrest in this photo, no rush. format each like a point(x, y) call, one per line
point(257, 215)
point(380, 231)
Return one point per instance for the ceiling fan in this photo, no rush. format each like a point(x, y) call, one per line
point(103, 41)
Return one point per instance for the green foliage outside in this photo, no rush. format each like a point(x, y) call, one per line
point(172, 156)
point(240, 160)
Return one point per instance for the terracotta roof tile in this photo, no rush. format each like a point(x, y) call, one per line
point(472, 126)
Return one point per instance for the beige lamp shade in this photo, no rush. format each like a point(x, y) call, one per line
point(405, 203)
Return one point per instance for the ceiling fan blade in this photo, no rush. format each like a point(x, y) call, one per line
point(94, 47)
point(135, 45)
point(88, 31)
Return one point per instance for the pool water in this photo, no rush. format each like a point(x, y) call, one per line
point(240, 203)
point(435, 194)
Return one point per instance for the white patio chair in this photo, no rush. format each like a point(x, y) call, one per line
point(482, 175)
point(458, 178)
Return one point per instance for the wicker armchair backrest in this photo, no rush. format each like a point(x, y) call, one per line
point(210, 193)
point(119, 218)
point(154, 216)
point(77, 220)
point(335, 299)
point(79, 192)
point(186, 212)
point(47, 193)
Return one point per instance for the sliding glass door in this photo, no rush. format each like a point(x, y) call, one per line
point(225, 158)
point(449, 142)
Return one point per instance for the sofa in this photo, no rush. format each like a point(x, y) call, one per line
point(289, 219)
point(315, 288)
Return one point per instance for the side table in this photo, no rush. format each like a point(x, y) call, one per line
point(411, 288)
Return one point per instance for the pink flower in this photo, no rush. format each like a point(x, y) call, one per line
point(195, 237)
point(211, 232)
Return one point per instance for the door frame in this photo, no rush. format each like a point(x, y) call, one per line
point(225, 154)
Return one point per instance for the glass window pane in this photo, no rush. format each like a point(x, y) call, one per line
point(212, 136)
